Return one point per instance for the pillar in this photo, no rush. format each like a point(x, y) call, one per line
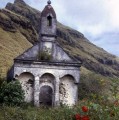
point(36, 91)
point(76, 97)
point(57, 102)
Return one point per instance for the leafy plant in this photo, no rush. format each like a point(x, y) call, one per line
point(11, 93)
point(114, 89)
point(44, 56)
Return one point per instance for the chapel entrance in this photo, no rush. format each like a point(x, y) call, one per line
point(46, 95)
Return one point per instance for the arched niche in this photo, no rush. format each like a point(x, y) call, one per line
point(46, 93)
point(67, 90)
point(49, 20)
point(47, 78)
point(27, 81)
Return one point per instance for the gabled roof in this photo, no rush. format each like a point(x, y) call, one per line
point(47, 10)
point(29, 54)
point(32, 55)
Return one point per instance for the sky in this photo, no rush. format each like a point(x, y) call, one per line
point(98, 20)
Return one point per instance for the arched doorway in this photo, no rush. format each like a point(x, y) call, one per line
point(46, 95)
point(27, 81)
point(67, 90)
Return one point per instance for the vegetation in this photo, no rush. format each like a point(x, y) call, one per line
point(102, 110)
point(11, 93)
point(93, 85)
point(45, 56)
point(94, 103)
point(19, 28)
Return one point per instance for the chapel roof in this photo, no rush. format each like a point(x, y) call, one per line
point(47, 10)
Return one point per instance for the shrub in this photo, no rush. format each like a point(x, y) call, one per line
point(1, 80)
point(44, 56)
point(92, 85)
point(11, 93)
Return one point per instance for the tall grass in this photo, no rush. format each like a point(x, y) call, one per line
point(96, 111)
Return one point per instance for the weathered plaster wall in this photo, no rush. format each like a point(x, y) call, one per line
point(38, 69)
point(47, 47)
point(60, 55)
point(45, 29)
point(27, 81)
point(68, 90)
point(54, 75)
point(30, 54)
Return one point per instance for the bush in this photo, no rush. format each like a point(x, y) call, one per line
point(1, 80)
point(11, 93)
point(44, 56)
point(92, 85)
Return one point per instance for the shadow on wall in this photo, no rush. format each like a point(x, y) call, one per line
point(46, 93)
point(10, 74)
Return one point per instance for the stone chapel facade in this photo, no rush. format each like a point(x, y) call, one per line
point(46, 72)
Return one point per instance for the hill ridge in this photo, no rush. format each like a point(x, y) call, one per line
point(26, 29)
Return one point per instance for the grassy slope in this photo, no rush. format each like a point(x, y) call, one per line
point(93, 57)
point(11, 45)
point(16, 36)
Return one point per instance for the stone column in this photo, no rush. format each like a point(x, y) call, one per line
point(36, 91)
point(56, 102)
point(76, 93)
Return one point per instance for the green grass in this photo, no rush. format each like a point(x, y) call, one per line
point(100, 95)
point(11, 45)
point(100, 110)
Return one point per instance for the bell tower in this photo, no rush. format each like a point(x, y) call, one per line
point(48, 25)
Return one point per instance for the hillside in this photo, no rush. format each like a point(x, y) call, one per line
point(19, 28)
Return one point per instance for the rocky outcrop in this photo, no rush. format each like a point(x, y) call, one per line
point(5, 22)
point(19, 2)
point(12, 22)
point(75, 33)
point(65, 36)
point(24, 10)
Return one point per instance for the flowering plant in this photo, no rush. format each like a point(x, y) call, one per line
point(85, 109)
point(82, 117)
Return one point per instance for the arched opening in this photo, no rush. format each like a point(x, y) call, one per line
point(49, 20)
point(67, 90)
point(27, 81)
point(46, 95)
point(47, 78)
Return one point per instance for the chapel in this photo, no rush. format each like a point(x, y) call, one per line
point(48, 75)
